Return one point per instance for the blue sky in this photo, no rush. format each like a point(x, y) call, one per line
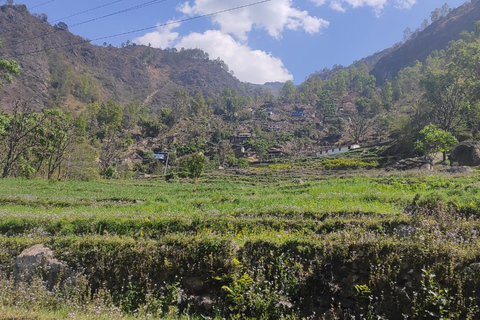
point(277, 40)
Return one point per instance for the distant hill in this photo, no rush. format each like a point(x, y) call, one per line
point(62, 69)
point(435, 37)
point(273, 87)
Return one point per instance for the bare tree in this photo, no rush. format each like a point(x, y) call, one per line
point(446, 95)
point(359, 126)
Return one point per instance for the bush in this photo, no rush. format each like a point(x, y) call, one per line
point(242, 163)
point(345, 164)
point(111, 173)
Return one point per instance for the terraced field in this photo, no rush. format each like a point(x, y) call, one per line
point(280, 242)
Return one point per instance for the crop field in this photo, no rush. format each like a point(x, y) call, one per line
point(271, 243)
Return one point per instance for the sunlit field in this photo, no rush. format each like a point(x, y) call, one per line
point(279, 242)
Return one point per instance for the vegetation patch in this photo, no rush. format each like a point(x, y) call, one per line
point(244, 248)
point(346, 164)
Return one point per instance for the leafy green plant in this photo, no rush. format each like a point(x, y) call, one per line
point(438, 303)
point(110, 173)
point(194, 165)
point(433, 139)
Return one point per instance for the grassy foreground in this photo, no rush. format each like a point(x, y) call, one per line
point(266, 246)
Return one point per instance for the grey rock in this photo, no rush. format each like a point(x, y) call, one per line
point(466, 154)
point(410, 209)
point(475, 266)
point(206, 302)
point(194, 284)
point(40, 260)
point(404, 231)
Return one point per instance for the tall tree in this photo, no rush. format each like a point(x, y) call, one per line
point(180, 107)
point(288, 92)
point(110, 116)
point(435, 15)
point(445, 9)
point(133, 112)
point(194, 166)
point(387, 95)
point(309, 89)
point(466, 62)
point(20, 135)
point(424, 24)
point(407, 34)
point(109, 119)
point(445, 93)
point(359, 126)
point(199, 106)
point(56, 135)
point(326, 104)
point(233, 102)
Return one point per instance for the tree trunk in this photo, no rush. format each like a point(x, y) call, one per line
point(195, 181)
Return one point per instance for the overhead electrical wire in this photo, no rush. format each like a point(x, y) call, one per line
point(144, 29)
point(88, 10)
point(41, 4)
point(136, 7)
point(140, 6)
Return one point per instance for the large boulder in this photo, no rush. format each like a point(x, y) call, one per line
point(466, 154)
point(39, 260)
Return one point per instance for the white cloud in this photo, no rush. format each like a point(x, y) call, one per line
point(377, 5)
point(249, 65)
point(319, 2)
point(405, 4)
point(163, 37)
point(337, 6)
point(274, 17)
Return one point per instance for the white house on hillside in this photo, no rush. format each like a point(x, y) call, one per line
point(333, 151)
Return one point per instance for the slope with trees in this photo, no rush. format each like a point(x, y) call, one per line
point(44, 136)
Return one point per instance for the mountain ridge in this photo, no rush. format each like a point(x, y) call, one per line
point(435, 37)
point(134, 72)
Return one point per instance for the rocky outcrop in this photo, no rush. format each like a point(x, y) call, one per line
point(40, 260)
point(458, 170)
point(466, 154)
point(418, 163)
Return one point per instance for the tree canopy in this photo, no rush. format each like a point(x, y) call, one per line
point(194, 165)
point(433, 139)
point(8, 68)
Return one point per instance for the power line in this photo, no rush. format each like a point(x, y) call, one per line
point(144, 29)
point(140, 6)
point(41, 4)
point(88, 10)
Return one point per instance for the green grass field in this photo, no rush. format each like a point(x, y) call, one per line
point(284, 242)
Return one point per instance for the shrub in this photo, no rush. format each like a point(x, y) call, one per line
point(242, 163)
point(345, 164)
point(111, 173)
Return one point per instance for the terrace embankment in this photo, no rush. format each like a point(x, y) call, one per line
point(383, 246)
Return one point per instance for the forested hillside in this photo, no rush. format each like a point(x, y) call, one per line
point(430, 78)
point(76, 110)
point(62, 70)
point(445, 25)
